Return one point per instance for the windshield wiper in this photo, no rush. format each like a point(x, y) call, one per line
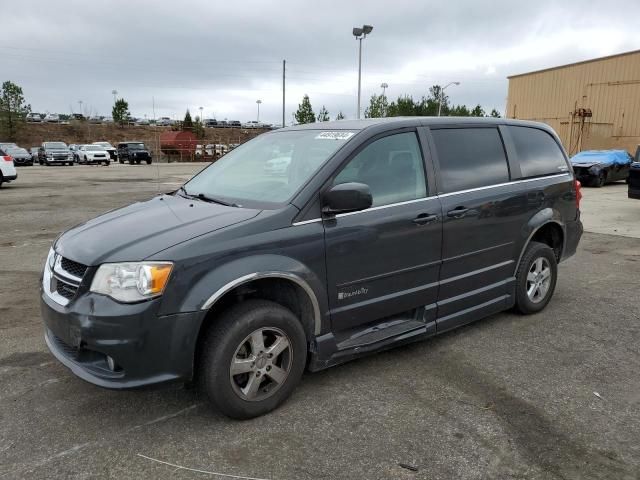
point(207, 198)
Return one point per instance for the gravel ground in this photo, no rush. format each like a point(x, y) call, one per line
point(553, 395)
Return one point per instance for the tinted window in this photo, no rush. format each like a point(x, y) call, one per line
point(391, 166)
point(470, 158)
point(538, 152)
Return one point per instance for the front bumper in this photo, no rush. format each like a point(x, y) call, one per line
point(147, 348)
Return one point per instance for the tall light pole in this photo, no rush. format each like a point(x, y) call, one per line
point(258, 102)
point(441, 96)
point(360, 33)
point(114, 93)
point(80, 103)
point(384, 86)
point(201, 119)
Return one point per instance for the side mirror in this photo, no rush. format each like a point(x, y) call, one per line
point(347, 197)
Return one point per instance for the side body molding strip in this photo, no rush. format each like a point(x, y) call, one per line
point(258, 275)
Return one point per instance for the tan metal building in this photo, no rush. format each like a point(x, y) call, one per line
point(593, 104)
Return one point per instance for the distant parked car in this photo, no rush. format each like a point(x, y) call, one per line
point(210, 122)
point(142, 121)
point(93, 155)
point(73, 148)
point(134, 152)
point(164, 122)
point(77, 116)
point(95, 120)
point(222, 124)
point(20, 155)
point(596, 168)
point(34, 117)
point(52, 118)
point(107, 120)
point(7, 169)
point(51, 153)
point(34, 154)
point(113, 153)
point(235, 124)
point(4, 145)
point(634, 181)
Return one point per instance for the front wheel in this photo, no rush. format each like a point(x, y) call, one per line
point(536, 278)
point(252, 358)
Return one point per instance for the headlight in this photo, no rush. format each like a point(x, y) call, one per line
point(70, 156)
point(132, 282)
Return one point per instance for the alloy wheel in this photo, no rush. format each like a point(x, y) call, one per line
point(261, 364)
point(538, 280)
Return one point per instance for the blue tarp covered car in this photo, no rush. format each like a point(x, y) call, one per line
point(595, 168)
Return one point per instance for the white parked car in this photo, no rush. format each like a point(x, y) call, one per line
point(93, 154)
point(52, 118)
point(7, 169)
point(113, 153)
point(34, 117)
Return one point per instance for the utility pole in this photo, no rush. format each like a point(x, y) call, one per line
point(384, 87)
point(284, 63)
point(114, 93)
point(258, 102)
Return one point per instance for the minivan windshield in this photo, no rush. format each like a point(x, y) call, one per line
point(268, 169)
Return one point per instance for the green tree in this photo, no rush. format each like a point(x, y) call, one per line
point(340, 115)
point(495, 113)
point(378, 106)
point(120, 112)
point(305, 114)
point(403, 107)
point(187, 123)
point(460, 111)
point(13, 109)
point(323, 116)
point(198, 128)
point(477, 111)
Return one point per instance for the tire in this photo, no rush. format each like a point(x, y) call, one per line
point(537, 258)
point(106, 164)
point(232, 337)
point(601, 181)
point(148, 162)
point(138, 162)
point(1, 179)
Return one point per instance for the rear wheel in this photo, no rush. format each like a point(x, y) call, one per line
point(602, 179)
point(138, 162)
point(252, 358)
point(1, 179)
point(536, 278)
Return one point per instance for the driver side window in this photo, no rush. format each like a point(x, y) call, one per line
point(392, 167)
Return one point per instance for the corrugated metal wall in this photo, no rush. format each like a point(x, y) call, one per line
point(609, 87)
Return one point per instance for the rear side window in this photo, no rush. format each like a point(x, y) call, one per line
point(538, 152)
point(470, 158)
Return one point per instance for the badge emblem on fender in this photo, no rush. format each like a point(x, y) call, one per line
point(352, 293)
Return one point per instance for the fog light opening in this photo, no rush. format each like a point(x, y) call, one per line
point(111, 363)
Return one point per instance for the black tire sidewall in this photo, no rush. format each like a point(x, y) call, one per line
point(222, 341)
point(534, 251)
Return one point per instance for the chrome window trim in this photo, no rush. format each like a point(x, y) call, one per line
point(449, 194)
point(496, 185)
point(210, 302)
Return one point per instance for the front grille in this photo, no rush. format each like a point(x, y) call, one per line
point(74, 268)
point(62, 345)
point(65, 289)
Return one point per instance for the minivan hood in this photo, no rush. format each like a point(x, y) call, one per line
point(137, 231)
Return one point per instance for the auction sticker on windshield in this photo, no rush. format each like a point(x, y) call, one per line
point(334, 135)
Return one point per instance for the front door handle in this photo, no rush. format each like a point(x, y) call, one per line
point(457, 212)
point(424, 219)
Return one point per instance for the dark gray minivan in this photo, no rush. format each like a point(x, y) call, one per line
point(369, 234)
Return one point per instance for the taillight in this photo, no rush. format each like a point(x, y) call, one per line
point(8, 158)
point(578, 188)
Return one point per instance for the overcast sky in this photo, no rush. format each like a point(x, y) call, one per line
point(223, 55)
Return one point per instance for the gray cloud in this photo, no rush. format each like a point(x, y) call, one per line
point(225, 55)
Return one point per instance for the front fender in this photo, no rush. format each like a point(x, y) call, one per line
point(212, 286)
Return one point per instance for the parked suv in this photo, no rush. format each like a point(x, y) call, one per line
point(134, 152)
point(379, 232)
point(51, 153)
